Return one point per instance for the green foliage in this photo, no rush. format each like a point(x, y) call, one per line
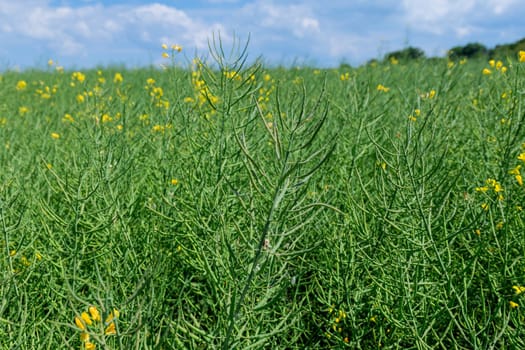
point(471, 50)
point(477, 50)
point(406, 54)
point(507, 50)
point(232, 206)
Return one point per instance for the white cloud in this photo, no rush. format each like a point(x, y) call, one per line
point(500, 7)
point(442, 16)
point(296, 19)
point(74, 31)
point(91, 33)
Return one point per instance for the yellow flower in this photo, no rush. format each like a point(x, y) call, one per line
point(68, 118)
point(492, 63)
point(174, 181)
point(484, 206)
point(118, 78)
point(513, 305)
point(165, 55)
point(164, 46)
point(486, 71)
point(110, 330)
point(482, 189)
point(383, 88)
point(55, 135)
point(80, 324)
point(518, 289)
point(23, 110)
point(84, 337)
point(521, 56)
point(519, 179)
point(21, 85)
point(432, 93)
point(80, 98)
point(345, 76)
point(95, 315)
point(86, 318)
point(177, 48)
point(89, 346)
point(112, 315)
point(522, 157)
point(80, 77)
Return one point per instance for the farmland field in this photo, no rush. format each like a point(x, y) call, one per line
point(233, 205)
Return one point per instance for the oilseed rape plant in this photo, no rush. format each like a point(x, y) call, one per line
point(91, 327)
point(221, 203)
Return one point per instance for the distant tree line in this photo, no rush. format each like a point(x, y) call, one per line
point(477, 50)
point(469, 51)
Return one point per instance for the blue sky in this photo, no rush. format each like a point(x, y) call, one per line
point(87, 33)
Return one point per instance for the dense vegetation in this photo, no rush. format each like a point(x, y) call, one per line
point(236, 206)
point(468, 51)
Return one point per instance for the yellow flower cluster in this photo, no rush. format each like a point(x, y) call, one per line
point(413, 116)
point(21, 85)
point(203, 94)
point(161, 128)
point(498, 65)
point(382, 88)
point(174, 48)
point(46, 92)
point(77, 76)
point(232, 75)
point(156, 93)
point(428, 95)
point(338, 318)
point(118, 78)
point(517, 291)
point(491, 186)
point(90, 322)
point(23, 110)
point(21, 261)
point(517, 174)
point(521, 56)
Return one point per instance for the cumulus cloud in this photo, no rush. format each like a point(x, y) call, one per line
point(99, 31)
point(461, 17)
point(299, 20)
point(86, 29)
